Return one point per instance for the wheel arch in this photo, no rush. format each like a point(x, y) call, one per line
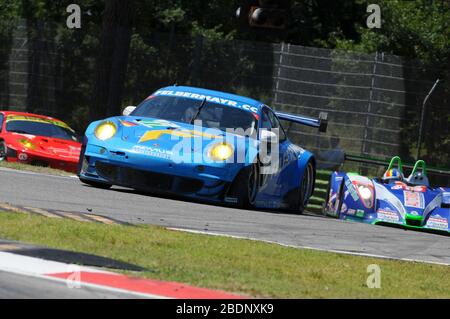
point(302, 161)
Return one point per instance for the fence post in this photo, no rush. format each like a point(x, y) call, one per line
point(280, 63)
point(422, 119)
point(369, 105)
point(364, 148)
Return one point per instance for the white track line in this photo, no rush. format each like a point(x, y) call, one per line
point(307, 247)
point(12, 170)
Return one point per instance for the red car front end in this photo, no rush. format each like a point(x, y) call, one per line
point(38, 140)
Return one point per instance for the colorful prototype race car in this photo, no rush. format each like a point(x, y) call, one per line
point(38, 140)
point(159, 147)
point(391, 200)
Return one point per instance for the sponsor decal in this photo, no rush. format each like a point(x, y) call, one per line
point(212, 99)
point(437, 222)
point(403, 186)
point(414, 213)
point(158, 123)
point(446, 197)
point(127, 123)
point(156, 134)
point(360, 213)
point(414, 199)
point(352, 190)
point(387, 216)
point(351, 211)
point(398, 186)
point(37, 120)
point(152, 151)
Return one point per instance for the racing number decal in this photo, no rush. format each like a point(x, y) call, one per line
point(414, 199)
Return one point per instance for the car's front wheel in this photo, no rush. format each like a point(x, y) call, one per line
point(339, 200)
point(95, 184)
point(3, 151)
point(246, 186)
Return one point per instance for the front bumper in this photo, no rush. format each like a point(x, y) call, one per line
point(32, 158)
point(122, 167)
point(403, 224)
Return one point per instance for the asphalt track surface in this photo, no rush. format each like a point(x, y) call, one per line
point(68, 193)
point(13, 286)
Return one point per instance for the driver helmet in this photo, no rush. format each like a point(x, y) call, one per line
point(393, 174)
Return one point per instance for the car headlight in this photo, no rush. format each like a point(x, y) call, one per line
point(27, 143)
point(366, 194)
point(104, 131)
point(221, 152)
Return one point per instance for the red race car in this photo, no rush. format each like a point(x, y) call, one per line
point(38, 140)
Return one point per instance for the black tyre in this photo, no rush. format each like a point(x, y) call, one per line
point(96, 184)
point(327, 199)
point(340, 200)
point(246, 186)
point(306, 187)
point(3, 151)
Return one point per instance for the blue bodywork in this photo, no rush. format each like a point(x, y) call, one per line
point(394, 203)
point(140, 155)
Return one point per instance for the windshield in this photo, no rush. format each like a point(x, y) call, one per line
point(40, 128)
point(185, 110)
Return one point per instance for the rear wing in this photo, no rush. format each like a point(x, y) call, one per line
point(321, 123)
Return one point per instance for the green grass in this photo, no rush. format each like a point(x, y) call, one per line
point(235, 265)
point(36, 169)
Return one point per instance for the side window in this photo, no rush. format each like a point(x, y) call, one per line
point(1, 122)
point(266, 123)
point(276, 124)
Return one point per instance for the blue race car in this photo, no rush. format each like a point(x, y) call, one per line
point(391, 200)
point(239, 154)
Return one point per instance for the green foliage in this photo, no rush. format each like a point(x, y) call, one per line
point(164, 44)
point(413, 29)
point(418, 30)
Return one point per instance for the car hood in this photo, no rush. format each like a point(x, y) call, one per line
point(167, 134)
point(48, 145)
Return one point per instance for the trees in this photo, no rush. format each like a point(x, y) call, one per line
point(112, 59)
point(419, 31)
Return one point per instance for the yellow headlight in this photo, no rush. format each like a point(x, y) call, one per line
point(221, 152)
point(27, 143)
point(105, 131)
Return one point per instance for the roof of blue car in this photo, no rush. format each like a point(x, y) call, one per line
point(218, 94)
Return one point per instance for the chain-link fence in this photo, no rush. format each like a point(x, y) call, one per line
point(373, 100)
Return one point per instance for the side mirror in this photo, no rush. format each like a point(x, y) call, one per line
point(267, 136)
point(128, 110)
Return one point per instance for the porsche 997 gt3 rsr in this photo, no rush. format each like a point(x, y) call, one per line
point(239, 154)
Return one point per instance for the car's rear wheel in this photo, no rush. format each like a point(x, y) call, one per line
point(3, 151)
point(96, 184)
point(306, 187)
